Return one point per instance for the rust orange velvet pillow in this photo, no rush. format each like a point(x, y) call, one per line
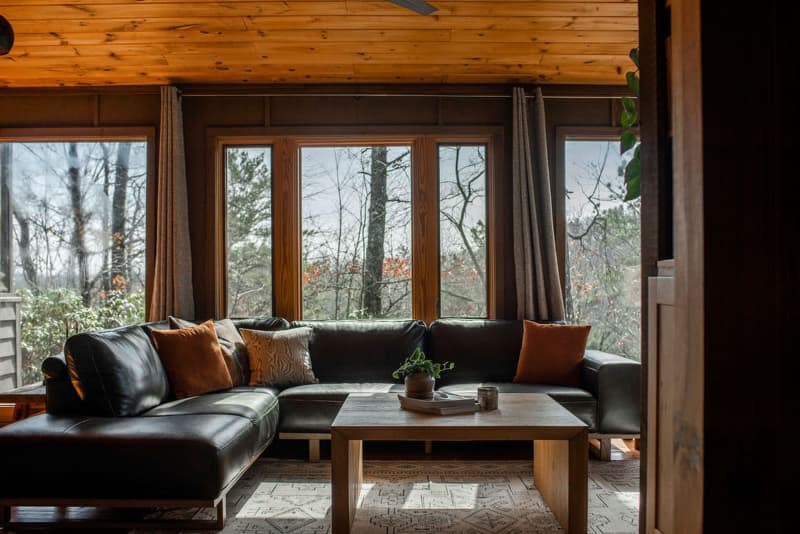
point(552, 353)
point(192, 359)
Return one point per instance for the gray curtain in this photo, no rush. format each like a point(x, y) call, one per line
point(538, 283)
point(171, 292)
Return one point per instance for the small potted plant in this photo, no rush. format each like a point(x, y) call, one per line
point(420, 374)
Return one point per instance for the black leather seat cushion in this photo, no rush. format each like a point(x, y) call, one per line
point(578, 401)
point(189, 449)
point(313, 407)
point(258, 404)
point(119, 371)
point(481, 349)
point(361, 351)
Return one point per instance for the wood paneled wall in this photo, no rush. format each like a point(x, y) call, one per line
point(207, 114)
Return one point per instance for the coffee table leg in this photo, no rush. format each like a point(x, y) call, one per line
point(561, 474)
point(346, 474)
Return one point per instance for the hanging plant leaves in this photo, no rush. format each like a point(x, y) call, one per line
point(628, 104)
point(634, 55)
point(633, 179)
point(6, 36)
point(627, 119)
point(627, 141)
point(633, 82)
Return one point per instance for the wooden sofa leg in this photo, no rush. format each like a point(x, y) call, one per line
point(428, 446)
point(605, 449)
point(222, 512)
point(313, 450)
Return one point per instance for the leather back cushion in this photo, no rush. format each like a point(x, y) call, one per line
point(361, 351)
point(262, 323)
point(483, 350)
point(116, 372)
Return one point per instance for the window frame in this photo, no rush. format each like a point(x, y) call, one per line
point(286, 142)
point(90, 134)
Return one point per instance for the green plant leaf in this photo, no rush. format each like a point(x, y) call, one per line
point(633, 83)
point(627, 119)
point(629, 105)
point(633, 189)
point(633, 175)
point(634, 55)
point(627, 141)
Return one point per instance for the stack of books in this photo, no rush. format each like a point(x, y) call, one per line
point(441, 404)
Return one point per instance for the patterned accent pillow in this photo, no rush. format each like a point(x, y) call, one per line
point(233, 348)
point(279, 358)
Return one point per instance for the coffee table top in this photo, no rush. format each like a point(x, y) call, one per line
point(378, 416)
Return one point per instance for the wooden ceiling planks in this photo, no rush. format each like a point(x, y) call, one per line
point(141, 42)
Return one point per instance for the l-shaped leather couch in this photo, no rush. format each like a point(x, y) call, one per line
point(128, 443)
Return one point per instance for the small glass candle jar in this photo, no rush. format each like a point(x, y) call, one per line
point(487, 397)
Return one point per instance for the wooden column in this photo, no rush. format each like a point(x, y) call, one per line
point(425, 228)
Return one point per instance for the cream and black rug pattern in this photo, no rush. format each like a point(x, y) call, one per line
point(281, 497)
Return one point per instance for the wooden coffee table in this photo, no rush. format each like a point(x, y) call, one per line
point(561, 455)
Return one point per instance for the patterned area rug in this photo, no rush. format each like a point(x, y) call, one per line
point(280, 497)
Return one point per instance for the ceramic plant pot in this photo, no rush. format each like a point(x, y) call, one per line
point(419, 386)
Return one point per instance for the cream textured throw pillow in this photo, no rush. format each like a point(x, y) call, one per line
point(279, 358)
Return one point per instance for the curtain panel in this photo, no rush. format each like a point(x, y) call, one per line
point(538, 283)
point(171, 292)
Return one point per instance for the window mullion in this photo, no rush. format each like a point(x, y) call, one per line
point(425, 230)
point(287, 266)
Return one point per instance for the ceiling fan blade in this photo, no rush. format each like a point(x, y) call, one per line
point(420, 6)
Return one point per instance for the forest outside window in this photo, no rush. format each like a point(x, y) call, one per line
point(462, 230)
point(356, 232)
point(74, 231)
point(602, 245)
point(248, 178)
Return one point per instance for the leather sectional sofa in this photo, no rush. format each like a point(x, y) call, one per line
point(129, 444)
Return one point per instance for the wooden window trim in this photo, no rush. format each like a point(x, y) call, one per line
point(112, 133)
point(286, 143)
point(564, 134)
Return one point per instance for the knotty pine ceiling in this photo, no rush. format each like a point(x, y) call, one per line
point(142, 42)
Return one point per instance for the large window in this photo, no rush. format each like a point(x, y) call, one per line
point(462, 230)
point(248, 174)
point(356, 232)
point(356, 226)
point(77, 215)
point(602, 231)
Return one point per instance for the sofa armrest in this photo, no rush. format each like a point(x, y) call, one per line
point(60, 395)
point(55, 367)
point(616, 383)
